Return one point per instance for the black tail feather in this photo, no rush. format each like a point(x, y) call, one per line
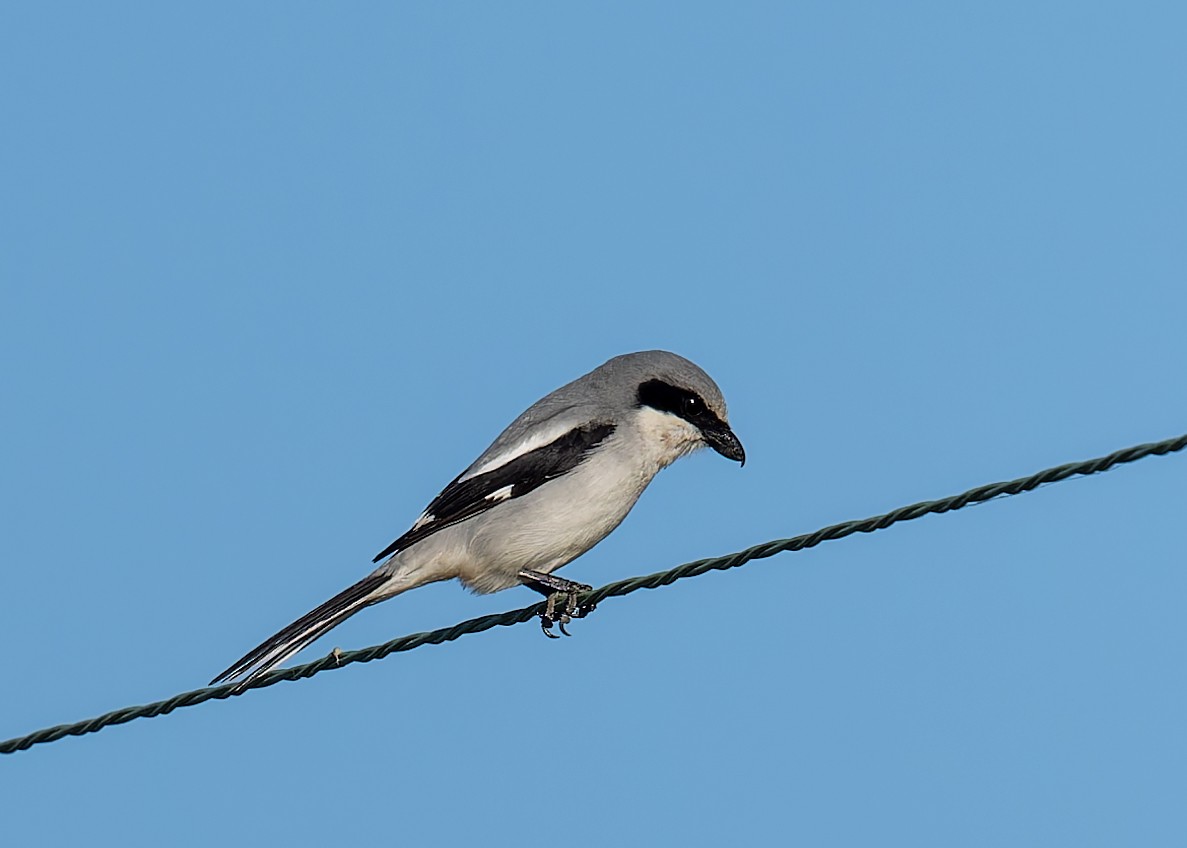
point(304, 630)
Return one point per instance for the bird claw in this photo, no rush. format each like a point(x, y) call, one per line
point(563, 600)
point(571, 610)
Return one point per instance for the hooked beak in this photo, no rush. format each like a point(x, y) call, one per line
point(722, 439)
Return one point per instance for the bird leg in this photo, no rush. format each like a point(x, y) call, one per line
point(558, 591)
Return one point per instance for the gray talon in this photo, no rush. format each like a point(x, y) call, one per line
point(563, 605)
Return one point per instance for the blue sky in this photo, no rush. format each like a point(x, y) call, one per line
point(273, 274)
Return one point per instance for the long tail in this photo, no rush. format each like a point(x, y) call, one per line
point(276, 649)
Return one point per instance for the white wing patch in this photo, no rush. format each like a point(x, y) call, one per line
point(424, 519)
point(544, 436)
point(500, 494)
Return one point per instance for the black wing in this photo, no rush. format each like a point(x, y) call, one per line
point(464, 499)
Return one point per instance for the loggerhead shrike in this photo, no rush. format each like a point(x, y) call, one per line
point(550, 487)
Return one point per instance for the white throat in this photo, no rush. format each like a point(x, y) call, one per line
point(666, 437)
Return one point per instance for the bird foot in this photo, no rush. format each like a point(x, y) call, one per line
point(563, 600)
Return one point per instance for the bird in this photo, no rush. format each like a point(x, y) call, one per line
point(557, 481)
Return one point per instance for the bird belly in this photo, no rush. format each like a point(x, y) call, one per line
point(549, 526)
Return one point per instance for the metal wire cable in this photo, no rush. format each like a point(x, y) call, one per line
point(611, 590)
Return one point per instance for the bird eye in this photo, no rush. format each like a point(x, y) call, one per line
point(690, 403)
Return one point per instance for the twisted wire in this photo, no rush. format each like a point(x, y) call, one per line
point(611, 590)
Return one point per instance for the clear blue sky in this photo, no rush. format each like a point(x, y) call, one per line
point(274, 273)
